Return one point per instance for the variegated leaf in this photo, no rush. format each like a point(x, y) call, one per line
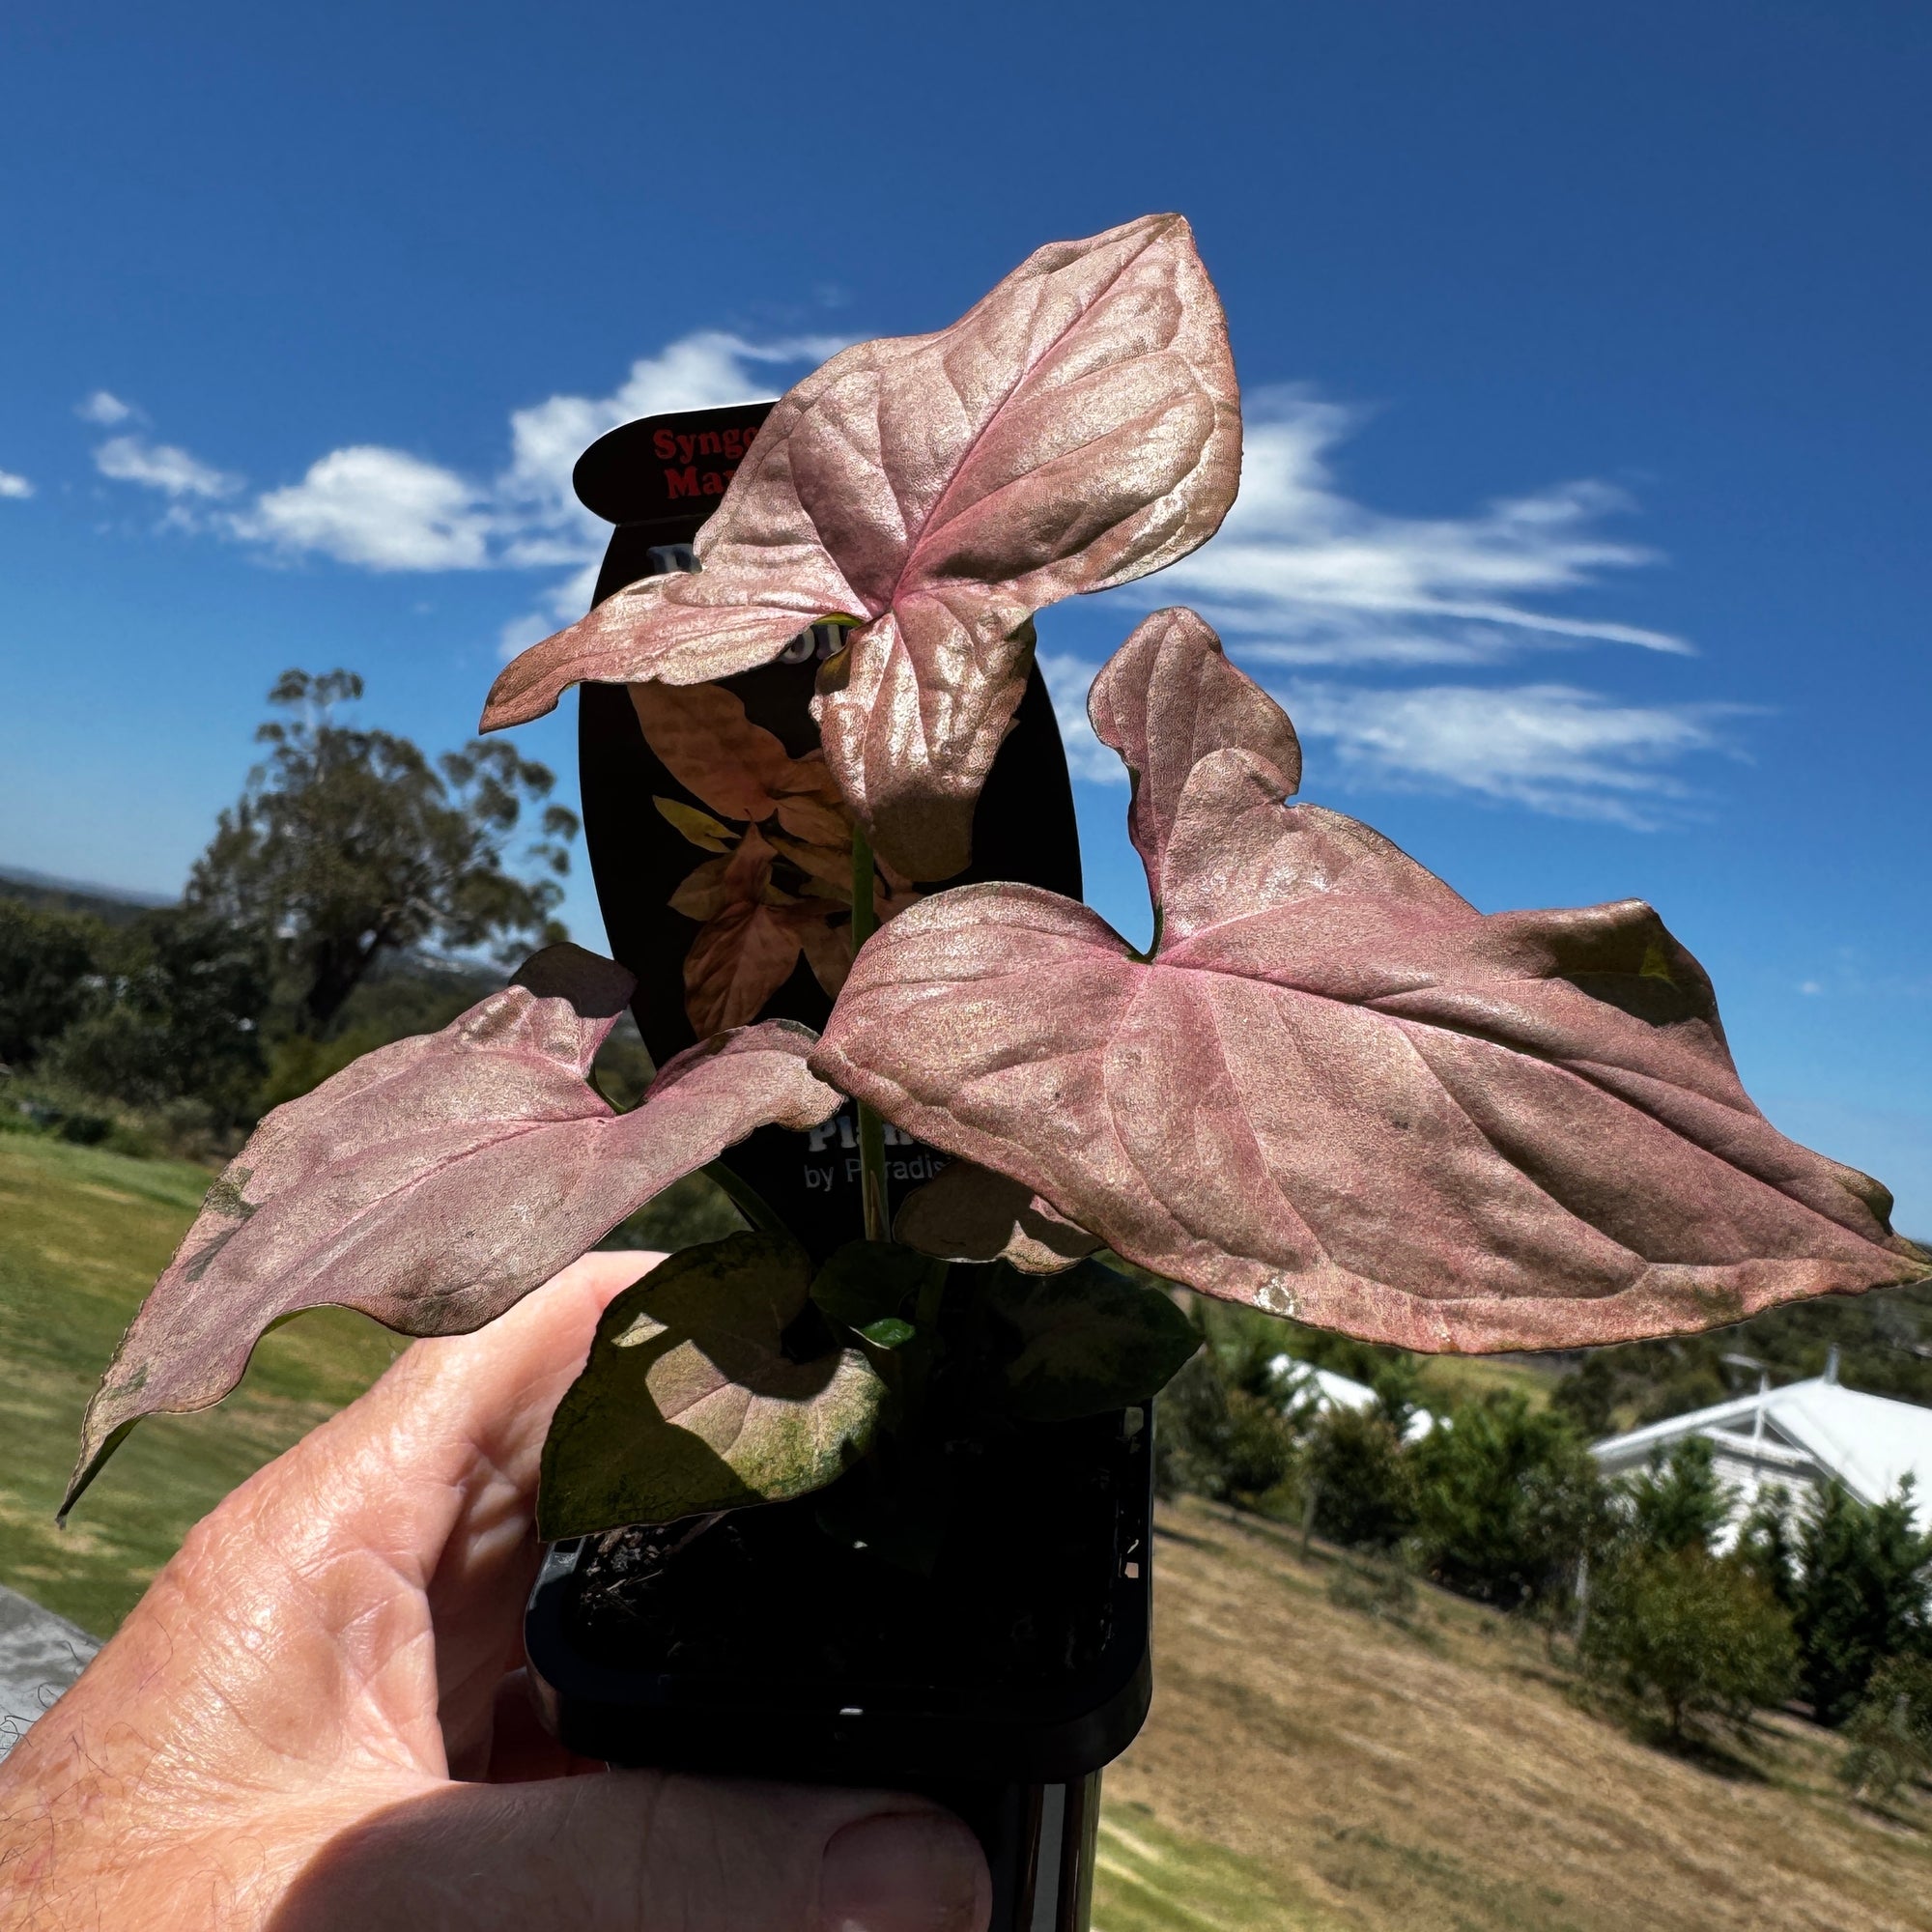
point(1336, 1089)
point(690, 1402)
point(1078, 427)
point(436, 1182)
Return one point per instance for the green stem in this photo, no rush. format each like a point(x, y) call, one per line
point(745, 1197)
point(871, 1129)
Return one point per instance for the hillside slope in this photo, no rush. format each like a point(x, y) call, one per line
point(1308, 1765)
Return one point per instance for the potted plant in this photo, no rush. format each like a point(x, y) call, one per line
point(1330, 1089)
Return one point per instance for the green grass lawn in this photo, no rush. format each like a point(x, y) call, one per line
point(82, 1235)
point(1149, 1878)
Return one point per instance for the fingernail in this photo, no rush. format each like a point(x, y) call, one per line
point(905, 1871)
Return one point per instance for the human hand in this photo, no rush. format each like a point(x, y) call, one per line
point(314, 1719)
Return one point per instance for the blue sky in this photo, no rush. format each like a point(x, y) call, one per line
point(1583, 528)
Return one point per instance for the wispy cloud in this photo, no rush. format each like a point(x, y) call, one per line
point(1550, 747)
point(14, 485)
point(162, 467)
point(1302, 575)
point(1305, 575)
point(105, 408)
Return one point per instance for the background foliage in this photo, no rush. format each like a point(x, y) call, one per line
point(343, 901)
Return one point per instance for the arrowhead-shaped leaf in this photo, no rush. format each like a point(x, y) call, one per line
point(1166, 701)
point(1336, 1089)
point(437, 1180)
point(969, 1214)
point(689, 1403)
point(1090, 1340)
point(1077, 428)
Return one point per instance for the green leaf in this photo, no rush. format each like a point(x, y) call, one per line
point(1091, 1341)
point(889, 1333)
point(687, 1402)
point(865, 1282)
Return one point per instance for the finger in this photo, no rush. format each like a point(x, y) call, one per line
point(640, 1851)
point(456, 1422)
point(520, 1750)
point(294, 1626)
point(441, 1471)
point(475, 1410)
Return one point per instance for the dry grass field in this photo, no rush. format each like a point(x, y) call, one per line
point(1309, 1765)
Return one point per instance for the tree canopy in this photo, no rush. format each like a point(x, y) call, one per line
point(349, 844)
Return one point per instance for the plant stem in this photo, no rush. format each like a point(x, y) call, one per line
point(743, 1196)
point(871, 1130)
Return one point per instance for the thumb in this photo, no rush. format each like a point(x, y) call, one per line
point(637, 1851)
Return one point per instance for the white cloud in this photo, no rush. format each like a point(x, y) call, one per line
point(160, 465)
point(696, 372)
point(1551, 747)
point(385, 509)
point(382, 509)
point(541, 522)
point(105, 408)
point(1305, 575)
point(1067, 680)
point(16, 487)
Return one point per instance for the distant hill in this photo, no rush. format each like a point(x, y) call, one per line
point(112, 904)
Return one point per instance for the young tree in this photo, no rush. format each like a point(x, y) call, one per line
point(1216, 1435)
point(1511, 1502)
point(1768, 1544)
point(1678, 1503)
point(1859, 1594)
point(1890, 1732)
point(1694, 1637)
point(349, 844)
point(1588, 1395)
point(1361, 1479)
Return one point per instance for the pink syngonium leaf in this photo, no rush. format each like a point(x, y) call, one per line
point(436, 1182)
point(1079, 427)
point(970, 1213)
point(1335, 1090)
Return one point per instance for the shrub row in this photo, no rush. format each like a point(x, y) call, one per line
point(1679, 1617)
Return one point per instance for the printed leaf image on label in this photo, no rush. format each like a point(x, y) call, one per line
point(778, 886)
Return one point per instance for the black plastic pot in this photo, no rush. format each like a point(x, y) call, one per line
point(1049, 1525)
point(670, 1660)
